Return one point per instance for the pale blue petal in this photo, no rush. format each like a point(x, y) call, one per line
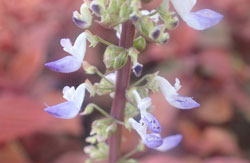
point(66, 110)
point(202, 19)
point(151, 122)
point(182, 102)
point(67, 64)
point(153, 140)
point(169, 143)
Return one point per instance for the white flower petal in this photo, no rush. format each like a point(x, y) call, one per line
point(140, 128)
point(68, 93)
point(166, 88)
point(183, 7)
point(67, 45)
point(79, 47)
point(79, 95)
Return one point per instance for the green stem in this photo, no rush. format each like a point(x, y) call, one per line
point(103, 112)
point(103, 41)
point(103, 76)
point(129, 154)
point(140, 81)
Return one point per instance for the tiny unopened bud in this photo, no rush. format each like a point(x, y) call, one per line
point(134, 18)
point(155, 34)
point(88, 110)
point(139, 43)
point(78, 20)
point(175, 21)
point(84, 18)
point(137, 69)
point(164, 39)
point(88, 68)
point(115, 57)
point(96, 9)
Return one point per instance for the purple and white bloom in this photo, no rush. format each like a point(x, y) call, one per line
point(143, 104)
point(172, 96)
point(154, 140)
point(73, 62)
point(199, 20)
point(72, 106)
point(137, 69)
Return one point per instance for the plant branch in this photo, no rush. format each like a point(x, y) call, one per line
point(122, 83)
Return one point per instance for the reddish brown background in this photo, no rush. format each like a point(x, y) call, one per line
point(213, 66)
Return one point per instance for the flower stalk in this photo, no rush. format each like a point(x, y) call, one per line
point(122, 83)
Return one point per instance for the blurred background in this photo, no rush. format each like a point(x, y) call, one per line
point(213, 66)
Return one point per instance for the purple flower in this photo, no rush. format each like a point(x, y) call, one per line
point(71, 108)
point(171, 94)
point(70, 63)
point(154, 140)
point(199, 20)
point(143, 104)
point(151, 122)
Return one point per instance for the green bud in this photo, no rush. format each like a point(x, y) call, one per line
point(88, 110)
point(84, 18)
point(98, 152)
point(152, 84)
point(88, 68)
point(140, 43)
point(102, 128)
point(144, 25)
point(158, 35)
point(115, 57)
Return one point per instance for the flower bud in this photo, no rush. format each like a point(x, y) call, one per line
point(139, 43)
point(137, 69)
point(84, 18)
point(115, 57)
point(88, 110)
point(88, 68)
point(97, 7)
point(158, 35)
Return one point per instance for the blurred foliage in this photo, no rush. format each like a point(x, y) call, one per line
point(214, 67)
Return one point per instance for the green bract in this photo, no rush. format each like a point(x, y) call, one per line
point(115, 57)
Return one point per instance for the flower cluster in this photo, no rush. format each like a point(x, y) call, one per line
point(151, 26)
point(148, 127)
